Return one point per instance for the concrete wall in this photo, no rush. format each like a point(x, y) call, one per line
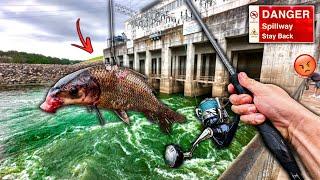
point(277, 66)
point(229, 24)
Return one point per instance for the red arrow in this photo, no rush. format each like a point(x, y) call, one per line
point(86, 45)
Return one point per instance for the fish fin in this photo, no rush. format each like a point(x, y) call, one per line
point(123, 116)
point(165, 117)
point(101, 120)
point(90, 109)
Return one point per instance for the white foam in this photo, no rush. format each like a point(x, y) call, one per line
point(185, 176)
point(123, 148)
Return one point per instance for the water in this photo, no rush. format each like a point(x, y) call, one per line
point(71, 144)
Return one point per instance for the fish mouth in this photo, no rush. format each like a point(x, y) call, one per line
point(51, 104)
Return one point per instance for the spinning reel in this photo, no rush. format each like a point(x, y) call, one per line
point(218, 128)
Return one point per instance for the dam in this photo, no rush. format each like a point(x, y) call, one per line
point(168, 46)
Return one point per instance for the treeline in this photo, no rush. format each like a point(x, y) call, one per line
point(29, 58)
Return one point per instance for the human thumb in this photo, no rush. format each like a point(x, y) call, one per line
point(250, 84)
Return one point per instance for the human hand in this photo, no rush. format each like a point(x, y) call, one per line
point(267, 102)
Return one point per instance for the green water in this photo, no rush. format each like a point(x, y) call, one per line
point(71, 144)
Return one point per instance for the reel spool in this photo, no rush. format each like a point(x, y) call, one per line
point(215, 119)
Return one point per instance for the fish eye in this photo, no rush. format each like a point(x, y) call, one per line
point(74, 91)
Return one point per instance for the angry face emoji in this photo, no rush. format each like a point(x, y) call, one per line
point(305, 65)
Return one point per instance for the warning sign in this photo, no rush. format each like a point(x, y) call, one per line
point(281, 24)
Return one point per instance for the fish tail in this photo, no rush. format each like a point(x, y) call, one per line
point(165, 117)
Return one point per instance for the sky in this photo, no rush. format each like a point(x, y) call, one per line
point(48, 27)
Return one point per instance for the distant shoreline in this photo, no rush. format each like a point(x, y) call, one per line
point(23, 86)
point(13, 75)
point(32, 74)
point(32, 58)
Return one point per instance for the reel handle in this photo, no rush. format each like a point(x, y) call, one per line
point(273, 140)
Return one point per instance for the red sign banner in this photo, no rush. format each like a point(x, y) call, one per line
point(281, 24)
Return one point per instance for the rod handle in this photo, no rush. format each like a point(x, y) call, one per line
point(279, 148)
point(273, 140)
point(235, 82)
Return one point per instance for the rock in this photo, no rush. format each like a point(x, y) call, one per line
point(34, 73)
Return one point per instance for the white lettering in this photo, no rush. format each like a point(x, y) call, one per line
point(269, 36)
point(306, 14)
point(265, 13)
point(285, 36)
point(286, 14)
point(277, 26)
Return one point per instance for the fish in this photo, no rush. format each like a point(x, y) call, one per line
point(113, 88)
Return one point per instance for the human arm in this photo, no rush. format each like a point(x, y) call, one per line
point(297, 124)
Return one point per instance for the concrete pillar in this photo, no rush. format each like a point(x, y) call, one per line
point(148, 63)
point(221, 78)
point(158, 66)
point(126, 60)
point(136, 62)
point(176, 66)
point(189, 84)
point(207, 68)
point(118, 59)
point(166, 85)
point(199, 63)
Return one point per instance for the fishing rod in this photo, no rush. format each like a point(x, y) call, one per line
point(270, 135)
point(111, 30)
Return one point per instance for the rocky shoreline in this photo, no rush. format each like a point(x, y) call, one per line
point(34, 74)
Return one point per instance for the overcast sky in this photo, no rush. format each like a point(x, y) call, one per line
point(48, 26)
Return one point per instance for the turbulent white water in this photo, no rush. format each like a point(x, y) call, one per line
point(71, 144)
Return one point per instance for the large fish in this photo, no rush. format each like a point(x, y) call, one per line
point(113, 88)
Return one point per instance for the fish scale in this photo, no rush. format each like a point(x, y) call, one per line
point(112, 88)
point(124, 94)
